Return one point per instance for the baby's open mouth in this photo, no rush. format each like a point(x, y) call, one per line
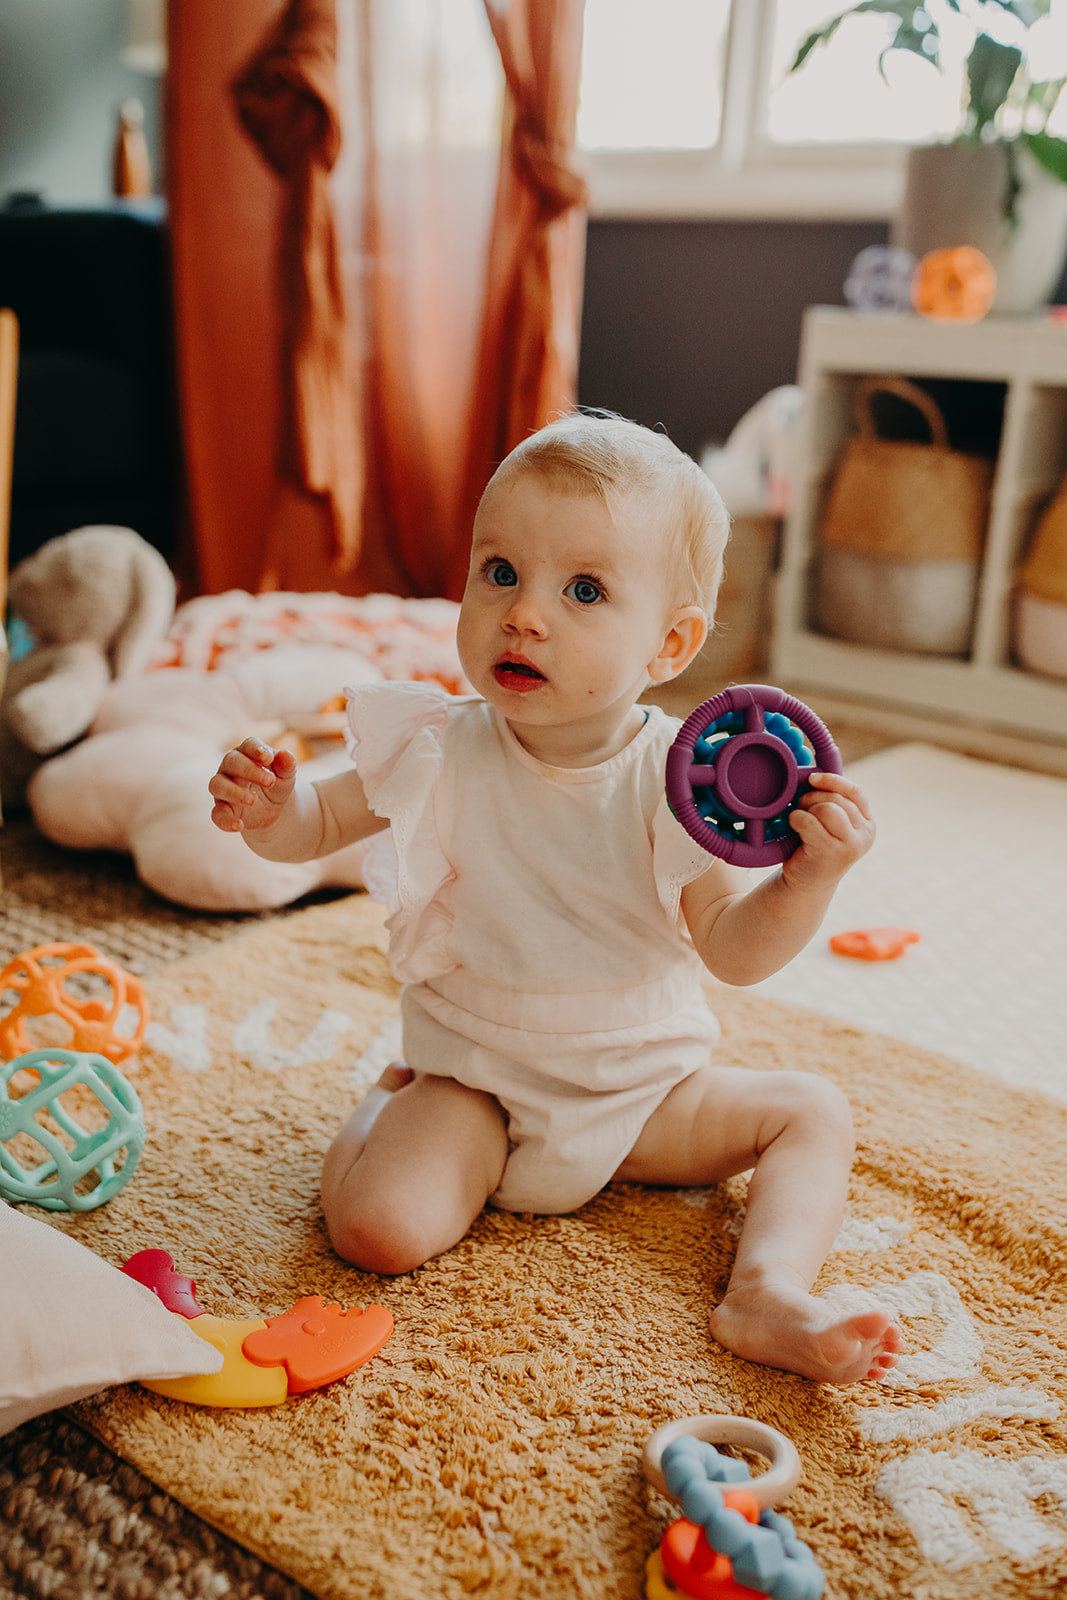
point(506, 672)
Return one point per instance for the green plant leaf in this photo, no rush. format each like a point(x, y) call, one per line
point(1045, 95)
point(816, 37)
point(1013, 184)
point(1027, 11)
point(905, 12)
point(991, 71)
point(1052, 153)
point(918, 44)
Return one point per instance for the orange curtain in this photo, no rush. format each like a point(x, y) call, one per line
point(222, 206)
point(419, 202)
point(287, 100)
point(528, 356)
point(368, 313)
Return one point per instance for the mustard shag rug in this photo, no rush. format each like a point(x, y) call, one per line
point(492, 1447)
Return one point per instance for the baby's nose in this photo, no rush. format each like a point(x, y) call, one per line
point(526, 615)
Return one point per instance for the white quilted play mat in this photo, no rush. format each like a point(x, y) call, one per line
point(973, 857)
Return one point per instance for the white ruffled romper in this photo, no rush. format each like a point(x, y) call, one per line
point(536, 928)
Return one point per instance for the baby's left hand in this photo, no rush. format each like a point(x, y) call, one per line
point(835, 827)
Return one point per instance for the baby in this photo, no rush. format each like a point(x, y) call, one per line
point(551, 916)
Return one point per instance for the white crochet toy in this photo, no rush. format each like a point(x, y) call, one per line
point(92, 606)
point(232, 664)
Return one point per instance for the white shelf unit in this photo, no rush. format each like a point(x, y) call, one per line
point(1028, 357)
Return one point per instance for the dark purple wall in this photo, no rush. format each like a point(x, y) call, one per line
point(687, 324)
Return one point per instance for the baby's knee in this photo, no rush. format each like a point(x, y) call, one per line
point(820, 1110)
point(384, 1239)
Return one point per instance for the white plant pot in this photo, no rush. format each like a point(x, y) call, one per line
point(954, 195)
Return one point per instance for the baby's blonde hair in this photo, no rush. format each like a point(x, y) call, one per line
point(612, 458)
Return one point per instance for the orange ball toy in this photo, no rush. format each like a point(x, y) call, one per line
point(956, 285)
point(38, 980)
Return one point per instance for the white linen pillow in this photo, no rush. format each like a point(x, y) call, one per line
point(71, 1324)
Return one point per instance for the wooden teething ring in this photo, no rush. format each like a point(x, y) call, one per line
point(780, 1479)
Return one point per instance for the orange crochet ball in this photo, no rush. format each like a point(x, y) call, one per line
point(956, 285)
point(35, 985)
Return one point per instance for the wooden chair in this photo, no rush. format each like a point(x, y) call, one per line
point(9, 366)
point(9, 363)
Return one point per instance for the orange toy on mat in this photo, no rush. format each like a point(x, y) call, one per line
point(873, 944)
point(39, 978)
point(955, 285)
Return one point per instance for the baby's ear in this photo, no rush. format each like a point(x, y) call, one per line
point(685, 634)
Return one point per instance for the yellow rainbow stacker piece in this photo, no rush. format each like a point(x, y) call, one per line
point(240, 1382)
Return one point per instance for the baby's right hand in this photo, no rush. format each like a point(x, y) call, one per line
point(251, 786)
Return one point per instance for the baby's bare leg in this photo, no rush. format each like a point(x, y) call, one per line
point(412, 1185)
point(796, 1131)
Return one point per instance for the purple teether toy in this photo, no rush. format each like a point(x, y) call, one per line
point(738, 768)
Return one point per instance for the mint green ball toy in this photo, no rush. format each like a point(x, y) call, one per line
point(72, 1152)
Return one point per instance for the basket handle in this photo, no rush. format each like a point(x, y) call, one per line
point(865, 392)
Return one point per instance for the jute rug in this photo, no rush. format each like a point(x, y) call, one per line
point(76, 1523)
point(492, 1447)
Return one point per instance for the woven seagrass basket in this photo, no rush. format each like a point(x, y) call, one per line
point(1041, 594)
point(901, 537)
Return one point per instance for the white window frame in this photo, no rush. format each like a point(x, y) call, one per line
point(745, 175)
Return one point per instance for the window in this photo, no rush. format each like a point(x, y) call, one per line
point(688, 108)
point(652, 74)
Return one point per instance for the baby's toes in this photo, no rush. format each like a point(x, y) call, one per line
point(396, 1075)
point(889, 1355)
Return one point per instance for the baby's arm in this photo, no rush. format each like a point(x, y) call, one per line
point(257, 792)
point(744, 937)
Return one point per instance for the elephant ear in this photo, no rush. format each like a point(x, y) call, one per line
point(149, 613)
point(59, 698)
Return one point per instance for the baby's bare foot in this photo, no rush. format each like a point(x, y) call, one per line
point(396, 1075)
point(780, 1325)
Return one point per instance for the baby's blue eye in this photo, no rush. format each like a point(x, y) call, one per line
point(502, 573)
point(585, 591)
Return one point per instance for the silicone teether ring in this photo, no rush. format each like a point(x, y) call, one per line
point(754, 774)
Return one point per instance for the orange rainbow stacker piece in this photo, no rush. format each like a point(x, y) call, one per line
point(39, 979)
point(264, 1359)
point(315, 1343)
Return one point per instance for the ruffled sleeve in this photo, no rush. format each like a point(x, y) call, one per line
point(676, 860)
point(396, 736)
